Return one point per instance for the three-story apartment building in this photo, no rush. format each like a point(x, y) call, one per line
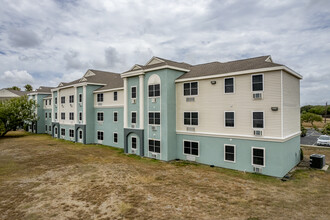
point(241, 115)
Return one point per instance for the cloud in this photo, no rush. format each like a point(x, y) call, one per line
point(23, 38)
point(16, 78)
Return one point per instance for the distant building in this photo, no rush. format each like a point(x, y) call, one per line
point(6, 94)
point(242, 115)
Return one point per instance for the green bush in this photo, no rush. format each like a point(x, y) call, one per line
point(303, 131)
point(326, 129)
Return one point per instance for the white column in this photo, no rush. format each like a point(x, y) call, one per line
point(141, 79)
point(125, 103)
point(84, 104)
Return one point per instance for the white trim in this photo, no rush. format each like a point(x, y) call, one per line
point(244, 137)
point(108, 90)
point(282, 113)
point(224, 153)
point(183, 140)
point(191, 118)
point(257, 165)
point(84, 104)
point(139, 72)
point(224, 86)
point(224, 119)
point(76, 104)
point(77, 85)
point(241, 73)
point(141, 103)
point(263, 82)
point(154, 58)
point(190, 89)
point(109, 106)
point(125, 104)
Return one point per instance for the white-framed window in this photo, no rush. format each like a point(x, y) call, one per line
point(115, 137)
point(191, 148)
point(62, 99)
point(100, 135)
point(134, 141)
point(230, 119)
point(258, 156)
point(133, 92)
point(100, 116)
point(154, 118)
point(55, 131)
point(55, 100)
point(190, 118)
point(154, 90)
point(56, 115)
point(230, 153)
point(154, 146)
point(258, 119)
point(63, 115)
point(229, 85)
point(46, 115)
point(49, 128)
point(71, 98)
point(115, 116)
point(71, 116)
point(49, 115)
point(71, 133)
point(100, 97)
point(133, 117)
point(80, 116)
point(115, 96)
point(258, 82)
point(63, 131)
point(46, 127)
point(190, 88)
point(80, 134)
point(80, 98)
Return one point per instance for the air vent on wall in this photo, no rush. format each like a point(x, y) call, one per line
point(257, 96)
point(190, 129)
point(190, 99)
point(257, 132)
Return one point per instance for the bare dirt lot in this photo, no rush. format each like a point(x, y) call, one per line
point(46, 178)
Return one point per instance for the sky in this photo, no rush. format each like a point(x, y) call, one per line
point(44, 42)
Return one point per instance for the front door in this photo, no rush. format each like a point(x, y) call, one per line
point(80, 136)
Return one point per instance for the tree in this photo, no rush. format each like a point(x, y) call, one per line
point(310, 118)
point(15, 88)
point(326, 129)
point(28, 87)
point(15, 112)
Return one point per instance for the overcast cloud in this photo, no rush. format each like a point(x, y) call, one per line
point(46, 42)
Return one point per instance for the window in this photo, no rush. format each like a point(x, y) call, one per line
point(46, 115)
point(80, 116)
point(56, 131)
point(71, 98)
point(133, 92)
point(133, 142)
point(154, 90)
point(55, 100)
point(154, 118)
point(154, 146)
point(190, 118)
point(49, 128)
point(190, 88)
point(62, 131)
point(257, 82)
point(229, 85)
point(46, 127)
point(100, 135)
point(80, 97)
point(115, 96)
point(100, 97)
point(62, 99)
point(49, 115)
point(71, 133)
point(229, 119)
point(56, 115)
point(191, 148)
point(80, 134)
point(100, 116)
point(258, 120)
point(133, 120)
point(45, 102)
point(230, 153)
point(258, 156)
point(71, 116)
point(115, 116)
point(63, 115)
point(115, 137)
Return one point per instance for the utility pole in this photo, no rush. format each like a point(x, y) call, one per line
point(326, 112)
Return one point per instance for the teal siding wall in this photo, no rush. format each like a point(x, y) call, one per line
point(48, 121)
point(109, 126)
point(67, 136)
point(41, 114)
point(79, 105)
point(133, 81)
point(90, 114)
point(279, 157)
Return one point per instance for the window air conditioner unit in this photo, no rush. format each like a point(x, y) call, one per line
point(154, 128)
point(190, 129)
point(190, 99)
point(99, 141)
point(153, 100)
point(133, 126)
point(257, 169)
point(62, 106)
point(190, 158)
point(153, 155)
point(257, 132)
point(257, 95)
point(71, 105)
point(99, 103)
point(80, 104)
point(133, 101)
point(133, 151)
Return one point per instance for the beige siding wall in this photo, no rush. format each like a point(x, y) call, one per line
point(291, 104)
point(211, 103)
point(66, 108)
point(108, 98)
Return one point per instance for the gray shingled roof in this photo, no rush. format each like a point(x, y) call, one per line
point(43, 89)
point(214, 68)
point(19, 93)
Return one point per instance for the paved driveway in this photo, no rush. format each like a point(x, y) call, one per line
point(310, 138)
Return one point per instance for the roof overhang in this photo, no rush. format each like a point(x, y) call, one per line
point(78, 85)
point(108, 90)
point(142, 72)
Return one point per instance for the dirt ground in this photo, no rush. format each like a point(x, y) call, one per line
point(46, 178)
